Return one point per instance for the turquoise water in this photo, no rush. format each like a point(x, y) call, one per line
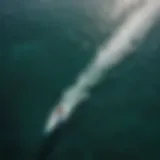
point(42, 51)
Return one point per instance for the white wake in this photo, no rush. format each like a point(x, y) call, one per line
point(121, 44)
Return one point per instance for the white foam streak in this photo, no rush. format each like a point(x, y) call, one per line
point(121, 44)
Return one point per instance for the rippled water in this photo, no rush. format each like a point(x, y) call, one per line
point(43, 48)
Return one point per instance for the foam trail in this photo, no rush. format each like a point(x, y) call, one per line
point(121, 44)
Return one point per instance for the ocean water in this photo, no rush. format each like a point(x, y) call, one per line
point(43, 47)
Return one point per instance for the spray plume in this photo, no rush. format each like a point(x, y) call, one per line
point(134, 28)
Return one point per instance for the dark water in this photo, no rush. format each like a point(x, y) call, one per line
point(42, 49)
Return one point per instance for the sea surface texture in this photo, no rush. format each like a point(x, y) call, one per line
point(44, 45)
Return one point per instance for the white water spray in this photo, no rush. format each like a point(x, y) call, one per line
point(120, 45)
